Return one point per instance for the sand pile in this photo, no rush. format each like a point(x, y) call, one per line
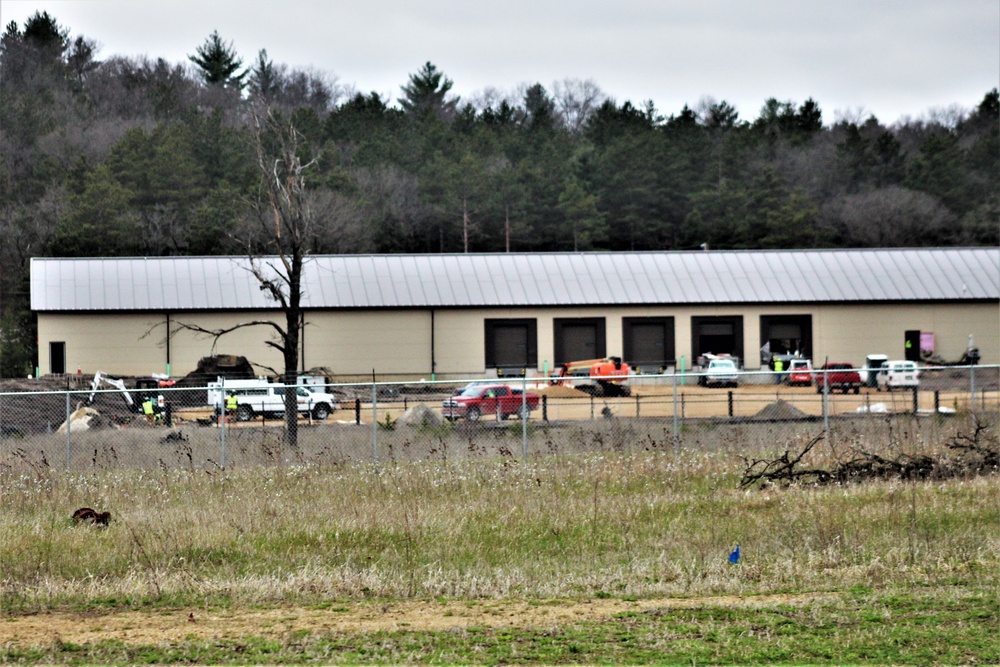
point(562, 391)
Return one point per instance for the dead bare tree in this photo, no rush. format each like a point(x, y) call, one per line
point(287, 217)
point(286, 220)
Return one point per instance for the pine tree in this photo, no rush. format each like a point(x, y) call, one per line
point(219, 63)
point(426, 94)
point(265, 78)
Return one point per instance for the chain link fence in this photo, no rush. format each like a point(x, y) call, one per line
point(382, 424)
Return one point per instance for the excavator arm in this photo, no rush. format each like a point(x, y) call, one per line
point(100, 378)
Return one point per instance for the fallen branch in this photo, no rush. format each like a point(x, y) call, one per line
point(975, 453)
point(783, 468)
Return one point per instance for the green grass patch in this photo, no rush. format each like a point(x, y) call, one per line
point(943, 627)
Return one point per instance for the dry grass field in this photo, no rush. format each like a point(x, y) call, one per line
point(605, 545)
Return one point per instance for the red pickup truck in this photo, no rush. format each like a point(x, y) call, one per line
point(837, 375)
point(488, 400)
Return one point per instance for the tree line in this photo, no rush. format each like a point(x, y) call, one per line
point(137, 156)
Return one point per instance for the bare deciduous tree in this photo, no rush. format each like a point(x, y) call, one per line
point(889, 217)
point(287, 218)
point(576, 100)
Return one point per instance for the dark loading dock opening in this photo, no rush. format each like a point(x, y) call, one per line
point(787, 334)
point(717, 335)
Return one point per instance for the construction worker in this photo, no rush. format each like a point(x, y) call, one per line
point(778, 367)
point(147, 409)
point(231, 404)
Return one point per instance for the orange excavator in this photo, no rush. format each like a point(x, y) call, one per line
point(609, 376)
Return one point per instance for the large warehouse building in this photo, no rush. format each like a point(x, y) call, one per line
point(456, 316)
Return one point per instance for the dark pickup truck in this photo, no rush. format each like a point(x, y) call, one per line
point(837, 375)
point(490, 400)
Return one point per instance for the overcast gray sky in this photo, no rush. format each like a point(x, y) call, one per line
point(891, 58)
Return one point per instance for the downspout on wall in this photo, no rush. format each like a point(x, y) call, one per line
point(168, 343)
point(302, 341)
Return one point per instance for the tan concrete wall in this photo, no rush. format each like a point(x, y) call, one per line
point(397, 344)
point(842, 332)
point(849, 332)
point(355, 343)
point(123, 344)
point(187, 347)
point(110, 343)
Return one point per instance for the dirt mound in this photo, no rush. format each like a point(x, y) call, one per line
point(420, 415)
point(87, 419)
point(212, 368)
point(779, 411)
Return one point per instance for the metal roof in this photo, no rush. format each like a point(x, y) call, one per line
point(525, 280)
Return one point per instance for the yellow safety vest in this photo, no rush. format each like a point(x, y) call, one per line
point(231, 403)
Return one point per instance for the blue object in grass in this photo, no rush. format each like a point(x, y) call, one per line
point(734, 557)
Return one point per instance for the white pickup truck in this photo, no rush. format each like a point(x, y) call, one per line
point(260, 397)
point(720, 372)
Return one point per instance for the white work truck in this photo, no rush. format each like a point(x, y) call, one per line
point(260, 397)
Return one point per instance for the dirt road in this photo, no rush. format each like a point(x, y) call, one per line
point(176, 625)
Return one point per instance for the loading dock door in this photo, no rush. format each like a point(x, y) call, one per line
point(717, 335)
point(578, 339)
point(648, 342)
point(511, 344)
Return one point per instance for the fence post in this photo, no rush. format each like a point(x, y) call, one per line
point(677, 435)
point(730, 401)
point(972, 388)
point(524, 415)
point(916, 402)
point(223, 420)
point(637, 406)
point(591, 407)
point(545, 408)
point(937, 401)
point(826, 406)
point(374, 427)
point(69, 444)
point(357, 411)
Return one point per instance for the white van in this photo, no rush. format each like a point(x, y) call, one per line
point(256, 397)
point(895, 374)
